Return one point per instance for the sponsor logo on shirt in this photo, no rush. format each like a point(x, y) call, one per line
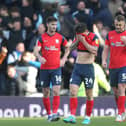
point(57, 41)
point(51, 48)
point(117, 44)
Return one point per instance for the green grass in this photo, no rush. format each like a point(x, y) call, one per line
point(99, 121)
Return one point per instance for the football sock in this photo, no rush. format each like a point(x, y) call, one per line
point(73, 105)
point(89, 107)
point(121, 104)
point(47, 105)
point(56, 103)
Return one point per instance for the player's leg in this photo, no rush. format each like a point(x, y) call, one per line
point(73, 104)
point(121, 91)
point(89, 82)
point(74, 87)
point(113, 74)
point(56, 83)
point(89, 106)
point(44, 82)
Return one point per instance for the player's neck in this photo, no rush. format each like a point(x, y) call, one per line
point(51, 33)
point(86, 32)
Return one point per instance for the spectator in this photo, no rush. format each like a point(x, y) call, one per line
point(27, 9)
point(67, 71)
point(83, 14)
point(41, 29)
point(17, 34)
point(101, 11)
point(3, 54)
point(5, 15)
point(28, 27)
point(3, 65)
point(65, 23)
point(24, 75)
point(15, 12)
point(122, 9)
point(113, 6)
point(15, 56)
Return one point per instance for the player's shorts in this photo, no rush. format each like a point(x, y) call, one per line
point(85, 73)
point(48, 77)
point(117, 76)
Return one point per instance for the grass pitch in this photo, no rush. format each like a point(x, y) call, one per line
point(97, 121)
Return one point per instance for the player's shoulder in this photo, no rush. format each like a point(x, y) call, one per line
point(113, 32)
point(124, 32)
point(92, 35)
point(59, 35)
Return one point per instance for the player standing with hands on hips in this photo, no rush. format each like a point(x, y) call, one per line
point(50, 46)
point(116, 44)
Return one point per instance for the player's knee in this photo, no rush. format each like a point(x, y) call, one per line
point(46, 93)
point(73, 93)
point(55, 93)
point(89, 97)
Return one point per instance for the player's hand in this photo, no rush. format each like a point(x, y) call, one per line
point(4, 50)
point(62, 62)
point(123, 38)
point(11, 72)
point(95, 29)
point(104, 64)
point(80, 37)
point(42, 59)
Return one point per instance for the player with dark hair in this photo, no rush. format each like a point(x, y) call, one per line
point(87, 45)
point(116, 44)
point(50, 45)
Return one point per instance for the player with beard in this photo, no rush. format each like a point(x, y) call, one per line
point(116, 44)
point(50, 46)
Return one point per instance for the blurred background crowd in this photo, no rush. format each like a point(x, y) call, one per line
point(23, 21)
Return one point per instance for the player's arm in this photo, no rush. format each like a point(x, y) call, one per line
point(91, 48)
point(67, 45)
point(74, 44)
point(96, 31)
point(105, 56)
point(37, 52)
point(105, 52)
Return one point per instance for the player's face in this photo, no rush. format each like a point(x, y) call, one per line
point(52, 26)
point(119, 26)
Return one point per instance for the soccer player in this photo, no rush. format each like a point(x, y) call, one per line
point(50, 45)
point(87, 44)
point(116, 44)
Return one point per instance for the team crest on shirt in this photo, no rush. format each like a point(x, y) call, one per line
point(45, 41)
point(97, 41)
point(57, 41)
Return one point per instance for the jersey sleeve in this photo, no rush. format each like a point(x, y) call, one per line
point(39, 42)
point(107, 41)
point(74, 40)
point(64, 41)
point(95, 41)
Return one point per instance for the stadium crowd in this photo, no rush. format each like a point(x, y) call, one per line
point(23, 21)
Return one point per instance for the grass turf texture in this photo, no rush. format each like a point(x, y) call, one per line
point(98, 121)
